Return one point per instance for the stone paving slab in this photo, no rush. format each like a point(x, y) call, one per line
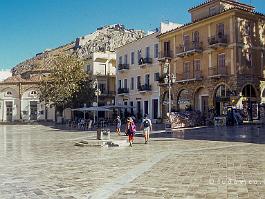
point(41, 162)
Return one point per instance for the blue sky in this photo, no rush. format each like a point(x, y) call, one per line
point(31, 26)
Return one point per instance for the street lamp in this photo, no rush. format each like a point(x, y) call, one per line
point(97, 93)
point(170, 79)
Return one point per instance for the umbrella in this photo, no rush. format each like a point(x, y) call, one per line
point(93, 108)
point(118, 106)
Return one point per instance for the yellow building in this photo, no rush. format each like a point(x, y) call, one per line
point(217, 58)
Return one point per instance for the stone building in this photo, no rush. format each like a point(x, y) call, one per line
point(19, 100)
point(218, 58)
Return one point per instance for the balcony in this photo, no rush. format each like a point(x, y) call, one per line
point(189, 50)
point(189, 76)
point(217, 71)
point(145, 61)
point(144, 88)
point(123, 91)
point(218, 41)
point(122, 67)
point(108, 93)
point(164, 55)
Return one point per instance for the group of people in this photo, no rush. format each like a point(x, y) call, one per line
point(130, 128)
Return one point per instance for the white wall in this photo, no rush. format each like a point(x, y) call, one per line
point(135, 70)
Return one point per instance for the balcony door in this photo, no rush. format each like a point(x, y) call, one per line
point(186, 40)
point(186, 70)
point(155, 108)
point(167, 48)
point(147, 79)
point(220, 30)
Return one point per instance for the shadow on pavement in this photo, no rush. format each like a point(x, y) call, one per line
point(246, 133)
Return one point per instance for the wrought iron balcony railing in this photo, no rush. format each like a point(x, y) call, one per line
point(123, 90)
point(145, 61)
point(145, 87)
point(123, 67)
point(218, 40)
point(186, 50)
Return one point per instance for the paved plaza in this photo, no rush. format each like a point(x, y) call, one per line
point(42, 162)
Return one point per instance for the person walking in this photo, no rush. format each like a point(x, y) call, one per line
point(130, 130)
point(118, 125)
point(146, 126)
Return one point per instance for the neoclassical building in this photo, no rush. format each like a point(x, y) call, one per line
point(138, 75)
point(19, 101)
point(218, 58)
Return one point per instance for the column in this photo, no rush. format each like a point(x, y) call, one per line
point(232, 65)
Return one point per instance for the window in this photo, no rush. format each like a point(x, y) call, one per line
point(125, 83)
point(119, 83)
point(167, 49)
point(132, 57)
point(156, 51)
point(88, 67)
point(186, 69)
point(156, 76)
point(197, 65)
point(196, 37)
point(248, 28)
point(138, 81)
point(132, 83)
point(125, 59)
point(147, 52)
point(221, 60)
point(220, 29)
point(33, 92)
point(120, 60)
point(147, 79)
point(186, 40)
point(139, 54)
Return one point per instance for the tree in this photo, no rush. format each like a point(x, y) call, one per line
point(65, 82)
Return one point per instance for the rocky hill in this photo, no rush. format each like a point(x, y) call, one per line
point(106, 38)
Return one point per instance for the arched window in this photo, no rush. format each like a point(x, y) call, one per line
point(33, 92)
point(249, 91)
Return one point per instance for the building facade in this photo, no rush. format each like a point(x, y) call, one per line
point(217, 58)
point(19, 101)
point(102, 66)
point(137, 77)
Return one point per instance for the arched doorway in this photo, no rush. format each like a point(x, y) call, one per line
point(184, 100)
point(221, 99)
point(250, 102)
point(201, 98)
